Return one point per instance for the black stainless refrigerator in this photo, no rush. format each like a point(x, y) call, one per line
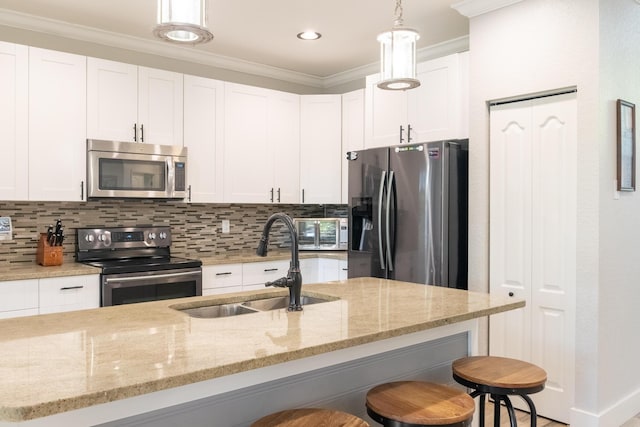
point(408, 213)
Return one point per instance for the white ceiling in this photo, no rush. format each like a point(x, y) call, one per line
point(261, 31)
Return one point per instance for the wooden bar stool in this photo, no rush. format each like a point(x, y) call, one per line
point(500, 377)
point(310, 417)
point(419, 403)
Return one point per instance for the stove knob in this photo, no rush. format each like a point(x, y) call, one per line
point(89, 238)
point(163, 235)
point(152, 236)
point(101, 237)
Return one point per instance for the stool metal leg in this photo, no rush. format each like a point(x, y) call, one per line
point(512, 414)
point(496, 410)
point(481, 419)
point(532, 410)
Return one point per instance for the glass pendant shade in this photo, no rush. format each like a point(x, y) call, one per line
point(182, 21)
point(398, 59)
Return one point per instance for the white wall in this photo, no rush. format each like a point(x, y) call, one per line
point(619, 305)
point(541, 45)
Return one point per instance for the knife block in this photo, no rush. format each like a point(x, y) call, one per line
point(46, 254)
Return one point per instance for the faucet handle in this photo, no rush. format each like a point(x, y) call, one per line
point(282, 282)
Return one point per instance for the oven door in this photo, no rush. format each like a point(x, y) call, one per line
point(128, 288)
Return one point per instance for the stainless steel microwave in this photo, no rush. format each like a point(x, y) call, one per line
point(135, 170)
point(318, 234)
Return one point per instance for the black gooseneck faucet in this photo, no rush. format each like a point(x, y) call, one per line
point(293, 280)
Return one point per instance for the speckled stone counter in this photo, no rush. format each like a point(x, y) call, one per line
point(61, 362)
point(34, 271)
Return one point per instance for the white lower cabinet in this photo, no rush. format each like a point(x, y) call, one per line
point(309, 268)
point(343, 274)
point(256, 274)
point(318, 270)
point(221, 279)
point(18, 298)
point(69, 293)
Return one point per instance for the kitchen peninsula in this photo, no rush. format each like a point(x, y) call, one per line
point(150, 362)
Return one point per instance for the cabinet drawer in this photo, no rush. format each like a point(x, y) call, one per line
point(69, 293)
point(221, 276)
point(256, 273)
point(19, 295)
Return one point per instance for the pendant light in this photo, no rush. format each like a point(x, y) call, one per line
point(398, 55)
point(182, 21)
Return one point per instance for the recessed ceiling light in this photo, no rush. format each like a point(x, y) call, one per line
point(309, 35)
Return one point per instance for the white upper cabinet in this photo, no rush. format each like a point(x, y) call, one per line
point(284, 136)
point(133, 104)
point(14, 87)
point(160, 106)
point(320, 148)
point(433, 111)
point(203, 137)
point(352, 133)
point(57, 125)
point(261, 145)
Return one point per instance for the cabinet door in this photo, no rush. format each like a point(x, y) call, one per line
point(256, 274)
point(309, 268)
point(70, 293)
point(112, 100)
point(18, 298)
point(329, 269)
point(284, 137)
point(57, 125)
point(203, 137)
point(344, 269)
point(320, 147)
point(434, 107)
point(385, 112)
point(220, 279)
point(352, 133)
point(248, 157)
point(14, 87)
point(160, 103)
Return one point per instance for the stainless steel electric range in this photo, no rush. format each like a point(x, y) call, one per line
point(136, 264)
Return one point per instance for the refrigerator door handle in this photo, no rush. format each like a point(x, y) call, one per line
point(380, 200)
point(387, 225)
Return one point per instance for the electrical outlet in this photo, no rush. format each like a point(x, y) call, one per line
point(225, 226)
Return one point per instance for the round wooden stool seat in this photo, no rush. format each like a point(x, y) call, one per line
point(500, 377)
point(419, 403)
point(310, 417)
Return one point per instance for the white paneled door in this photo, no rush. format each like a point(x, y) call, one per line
point(533, 178)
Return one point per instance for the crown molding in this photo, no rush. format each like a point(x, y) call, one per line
point(435, 51)
point(92, 35)
point(22, 21)
point(473, 8)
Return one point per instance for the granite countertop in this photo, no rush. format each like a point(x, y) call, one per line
point(26, 271)
point(58, 362)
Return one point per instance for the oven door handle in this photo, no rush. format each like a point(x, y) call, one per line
point(146, 278)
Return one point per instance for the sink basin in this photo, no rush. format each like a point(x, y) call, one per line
point(237, 308)
point(280, 302)
point(220, 310)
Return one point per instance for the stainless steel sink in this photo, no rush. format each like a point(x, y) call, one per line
point(280, 302)
point(220, 310)
point(252, 306)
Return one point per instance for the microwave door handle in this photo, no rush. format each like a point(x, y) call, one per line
point(379, 222)
point(171, 179)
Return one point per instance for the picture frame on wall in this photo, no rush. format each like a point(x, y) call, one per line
point(626, 145)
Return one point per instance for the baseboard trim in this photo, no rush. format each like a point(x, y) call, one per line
point(615, 415)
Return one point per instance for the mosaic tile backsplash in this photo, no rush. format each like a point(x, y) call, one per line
point(197, 228)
